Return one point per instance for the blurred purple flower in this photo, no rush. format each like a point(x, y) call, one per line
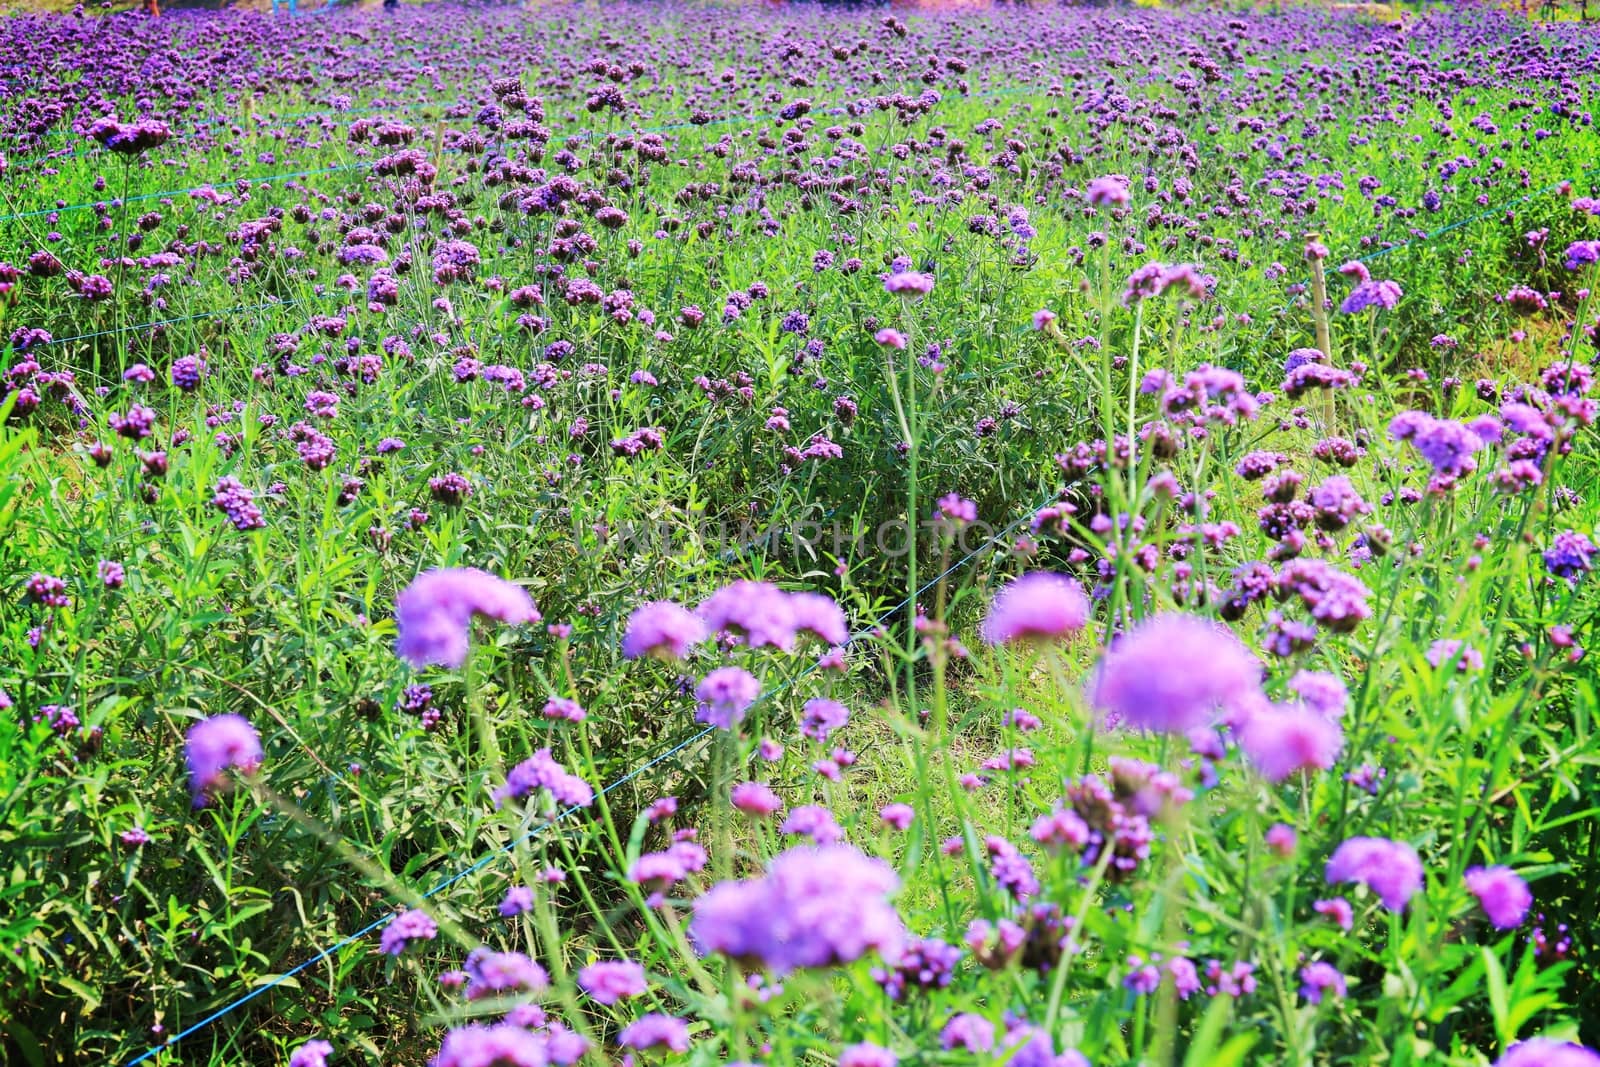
point(909, 284)
point(1286, 739)
point(724, 696)
point(609, 981)
point(1391, 869)
point(1319, 979)
point(1172, 672)
point(501, 1045)
point(541, 771)
point(815, 907)
point(408, 926)
point(1548, 1052)
point(1502, 894)
point(311, 1054)
point(1038, 606)
point(434, 613)
point(656, 1031)
point(212, 746)
point(968, 1032)
point(662, 629)
point(867, 1055)
point(755, 798)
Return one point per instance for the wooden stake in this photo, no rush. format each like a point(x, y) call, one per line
point(1319, 316)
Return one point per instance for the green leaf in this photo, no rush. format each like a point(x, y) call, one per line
point(1203, 1050)
point(1232, 1054)
point(26, 1043)
point(91, 999)
point(1499, 1002)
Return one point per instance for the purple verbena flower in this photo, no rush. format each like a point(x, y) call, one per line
point(969, 1033)
point(1287, 739)
point(1501, 892)
point(655, 1030)
point(1038, 606)
point(497, 974)
point(1172, 672)
point(539, 772)
point(609, 981)
point(1319, 979)
point(501, 1045)
point(662, 629)
point(1548, 1052)
point(434, 613)
point(815, 907)
point(214, 745)
point(311, 1054)
point(1570, 555)
point(909, 284)
point(724, 696)
point(406, 927)
point(1391, 869)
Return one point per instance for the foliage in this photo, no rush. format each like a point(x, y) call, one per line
point(595, 302)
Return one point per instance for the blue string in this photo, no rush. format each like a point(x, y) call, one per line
point(216, 313)
point(385, 920)
point(1485, 213)
point(490, 857)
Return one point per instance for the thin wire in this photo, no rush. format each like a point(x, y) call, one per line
point(216, 313)
point(906, 602)
point(385, 920)
point(490, 857)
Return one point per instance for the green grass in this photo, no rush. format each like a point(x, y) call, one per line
point(291, 625)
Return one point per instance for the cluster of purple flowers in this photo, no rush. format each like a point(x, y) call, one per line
point(1368, 293)
point(1172, 673)
point(1570, 555)
point(610, 981)
point(542, 773)
point(1117, 815)
point(760, 614)
point(406, 927)
point(1391, 869)
point(1037, 607)
point(725, 695)
point(434, 613)
point(1448, 446)
point(926, 963)
point(815, 906)
point(215, 745)
point(238, 504)
point(130, 138)
point(578, 274)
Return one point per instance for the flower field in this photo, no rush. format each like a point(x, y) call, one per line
point(563, 534)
